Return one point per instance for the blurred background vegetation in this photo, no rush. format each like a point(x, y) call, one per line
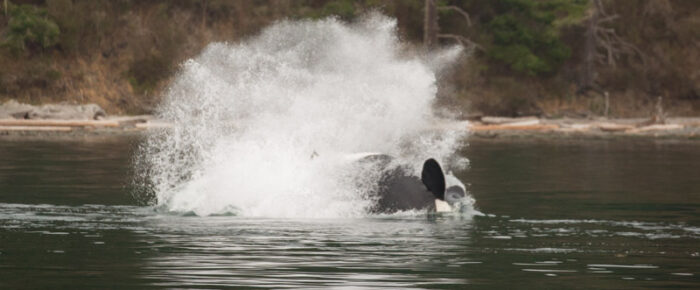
point(528, 57)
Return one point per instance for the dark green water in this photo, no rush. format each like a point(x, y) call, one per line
point(585, 215)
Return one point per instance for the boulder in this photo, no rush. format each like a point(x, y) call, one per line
point(17, 110)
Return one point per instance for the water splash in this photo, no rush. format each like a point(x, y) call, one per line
point(261, 128)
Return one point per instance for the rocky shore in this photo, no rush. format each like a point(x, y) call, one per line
point(532, 128)
point(597, 128)
point(50, 121)
point(70, 121)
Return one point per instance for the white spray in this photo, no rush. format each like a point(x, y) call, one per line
point(261, 127)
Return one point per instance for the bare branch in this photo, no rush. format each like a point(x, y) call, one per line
point(599, 6)
point(609, 18)
point(605, 30)
point(460, 11)
point(431, 27)
point(613, 44)
point(600, 57)
point(610, 52)
point(463, 40)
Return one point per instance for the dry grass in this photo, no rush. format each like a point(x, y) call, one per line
point(123, 57)
point(126, 69)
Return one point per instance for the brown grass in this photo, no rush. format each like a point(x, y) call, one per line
point(121, 55)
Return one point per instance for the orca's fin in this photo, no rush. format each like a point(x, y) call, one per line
point(433, 178)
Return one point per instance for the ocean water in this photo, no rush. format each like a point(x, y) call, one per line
point(555, 215)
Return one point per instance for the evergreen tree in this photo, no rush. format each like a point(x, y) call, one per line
point(525, 34)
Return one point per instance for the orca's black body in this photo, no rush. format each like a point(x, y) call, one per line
point(400, 191)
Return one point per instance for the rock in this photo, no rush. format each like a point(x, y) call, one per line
point(16, 110)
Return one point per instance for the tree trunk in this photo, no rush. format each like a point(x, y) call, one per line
point(204, 15)
point(589, 53)
point(430, 28)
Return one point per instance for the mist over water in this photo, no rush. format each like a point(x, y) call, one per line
point(264, 127)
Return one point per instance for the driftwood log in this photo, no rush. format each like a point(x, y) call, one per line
point(58, 123)
point(514, 121)
point(36, 128)
point(541, 127)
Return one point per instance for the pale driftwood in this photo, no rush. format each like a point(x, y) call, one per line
point(523, 123)
point(66, 123)
point(611, 127)
point(35, 128)
point(693, 124)
point(505, 120)
point(540, 127)
point(607, 103)
point(576, 128)
point(658, 127)
point(660, 116)
point(154, 124)
point(581, 126)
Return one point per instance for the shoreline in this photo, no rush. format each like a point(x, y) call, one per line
point(602, 129)
point(485, 128)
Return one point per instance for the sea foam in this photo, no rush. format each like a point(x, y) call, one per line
point(262, 127)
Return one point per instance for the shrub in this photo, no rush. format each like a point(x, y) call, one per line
point(30, 28)
point(342, 8)
point(525, 36)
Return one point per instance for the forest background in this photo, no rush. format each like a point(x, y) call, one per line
point(551, 58)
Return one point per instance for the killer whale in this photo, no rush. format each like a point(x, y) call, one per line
point(398, 190)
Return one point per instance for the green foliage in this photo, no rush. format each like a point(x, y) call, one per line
point(345, 9)
point(524, 35)
point(30, 28)
point(348, 10)
point(570, 12)
point(528, 49)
